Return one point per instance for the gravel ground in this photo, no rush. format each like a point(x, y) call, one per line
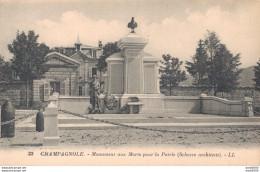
point(124, 137)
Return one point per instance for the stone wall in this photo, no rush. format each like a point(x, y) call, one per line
point(181, 104)
point(186, 91)
point(218, 106)
point(74, 104)
point(237, 94)
point(16, 92)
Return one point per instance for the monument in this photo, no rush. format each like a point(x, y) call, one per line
point(131, 85)
point(134, 73)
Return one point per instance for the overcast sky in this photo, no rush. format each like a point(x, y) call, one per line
point(172, 27)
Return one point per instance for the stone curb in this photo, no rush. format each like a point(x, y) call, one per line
point(147, 125)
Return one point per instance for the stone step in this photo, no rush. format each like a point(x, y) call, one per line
point(103, 126)
point(140, 119)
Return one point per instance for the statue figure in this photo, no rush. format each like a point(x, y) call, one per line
point(132, 25)
point(94, 92)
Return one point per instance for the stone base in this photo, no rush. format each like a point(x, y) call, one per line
point(152, 103)
point(132, 104)
point(250, 114)
point(51, 141)
point(77, 104)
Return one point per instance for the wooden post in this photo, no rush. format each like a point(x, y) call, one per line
point(51, 131)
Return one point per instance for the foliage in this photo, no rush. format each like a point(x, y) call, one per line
point(197, 67)
point(225, 74)
point(171, 73)
point(109, 49)
point(29, 56)
point(257, 75)
point(5, 70)
point(214, 65)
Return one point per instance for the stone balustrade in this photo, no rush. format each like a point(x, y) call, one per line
point(218, 106)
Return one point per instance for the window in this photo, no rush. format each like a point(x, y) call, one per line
point(46, 89)
point(62, 88)
point(55, 87)
point(14, 74)
point(94, 71)
point(94, 54)
point(80, 91)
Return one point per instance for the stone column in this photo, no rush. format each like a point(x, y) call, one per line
point(51, 131)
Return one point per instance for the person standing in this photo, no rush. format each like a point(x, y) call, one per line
point(94, 93)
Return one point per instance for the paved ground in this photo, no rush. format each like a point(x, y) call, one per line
point(189, 137)
point(113, 138)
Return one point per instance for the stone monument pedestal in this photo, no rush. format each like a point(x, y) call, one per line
point(134, 73)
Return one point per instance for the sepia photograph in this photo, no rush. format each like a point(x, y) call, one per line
point(133, 82)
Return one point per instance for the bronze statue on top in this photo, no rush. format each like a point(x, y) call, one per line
point(132, 25)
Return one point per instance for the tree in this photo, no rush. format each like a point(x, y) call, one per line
point(257, 75)
point(197, 68)
point(220, 69)
point(225, 74)
point(212, 44)
point(2, 62)
point(171, 73)
point(5, 70)
point(222, 66)
point(29, 57)
point(109, 49)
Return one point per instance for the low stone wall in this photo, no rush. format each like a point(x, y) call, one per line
point(167, 104)
point(74, 104)
point(16, 92)
point(187, 91)
point(218, 106)
point(181, 104)
point(238, 94)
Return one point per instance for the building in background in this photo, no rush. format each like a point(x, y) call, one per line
point(70, 69)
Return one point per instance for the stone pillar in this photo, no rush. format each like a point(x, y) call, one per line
point(247, 107)
point(201, 102)
point(51, 131)
point(132, 48)
point(115, 66)
point(151, 75)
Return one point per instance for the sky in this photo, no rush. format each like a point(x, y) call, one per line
point(172, 27)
